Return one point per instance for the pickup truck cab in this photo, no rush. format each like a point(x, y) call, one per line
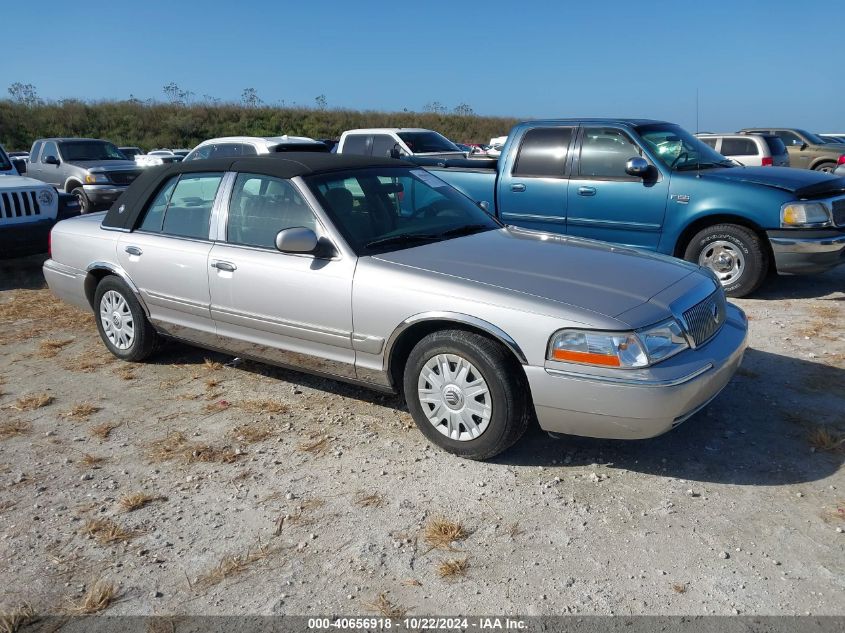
point(398, 142)
point(93, 170)
point(653, 185)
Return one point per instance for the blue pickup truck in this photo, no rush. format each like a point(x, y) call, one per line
point(653, 185)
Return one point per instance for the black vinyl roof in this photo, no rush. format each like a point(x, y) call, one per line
point(125, 211)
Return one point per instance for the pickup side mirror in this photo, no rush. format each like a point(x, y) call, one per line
point(296, 240)
point(20, 165)
point(50, 160)
point(637, 167)
point(804, 145)
point(395, 152)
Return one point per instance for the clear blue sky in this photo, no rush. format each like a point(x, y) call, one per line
point(777, 62)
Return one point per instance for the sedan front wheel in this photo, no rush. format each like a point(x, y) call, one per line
point(121, 321)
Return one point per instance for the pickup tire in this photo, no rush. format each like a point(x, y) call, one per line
point(85, 205)
point(735, 253)
point(466, 393)
point(121, 321)
point(827, 167)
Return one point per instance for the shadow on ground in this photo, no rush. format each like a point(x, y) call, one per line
point(22, 273)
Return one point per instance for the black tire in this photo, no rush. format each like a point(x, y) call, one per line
point(85, 205)
point(508, 392)
point(749, 245)
point(145, 340)
point(827, 168)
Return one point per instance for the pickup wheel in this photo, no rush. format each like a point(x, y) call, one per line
point(735, 253)
point(827, 168)
point(121, 321)
point(466, 393)
point(84, 203)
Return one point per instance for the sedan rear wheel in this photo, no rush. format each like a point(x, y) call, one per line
point(467, 393)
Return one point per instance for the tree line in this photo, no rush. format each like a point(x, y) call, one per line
point(182, 122)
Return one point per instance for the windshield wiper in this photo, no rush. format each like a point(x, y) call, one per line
point(402, 238)
point(708, 165)
point(466, 229)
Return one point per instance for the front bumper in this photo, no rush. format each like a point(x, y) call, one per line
point(637, 404)
point(103, 194)
point(806, 252)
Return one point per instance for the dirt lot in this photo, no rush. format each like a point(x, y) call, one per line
point(188, 485)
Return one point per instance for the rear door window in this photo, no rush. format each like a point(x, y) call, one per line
point(182, 208)
point(33, 153)
point(382, 144)
point(739, 147)
point(543, 153)
point(356, 144)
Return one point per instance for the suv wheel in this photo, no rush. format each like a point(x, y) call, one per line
point(827, 168)
point(121, 321)
point(84, 203)
point(734, 253)
point(466, 393)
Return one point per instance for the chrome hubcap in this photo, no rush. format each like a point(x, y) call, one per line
point(725, 259)
point(454, 397)
point(116, 317)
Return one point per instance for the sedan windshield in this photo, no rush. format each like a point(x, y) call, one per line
point(385, 209)
point(427, 142)
point(90, 150)
point(678, 149)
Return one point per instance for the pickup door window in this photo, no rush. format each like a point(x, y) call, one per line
point(356, 144)
point(49, 173)
point(167, 255)
point(382, 144)
point(289, 308)
point(605, 203)
point(533, 185)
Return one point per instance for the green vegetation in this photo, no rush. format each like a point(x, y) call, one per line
point(151, 125)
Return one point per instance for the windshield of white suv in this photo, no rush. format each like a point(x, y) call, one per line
point(385, 209)
point(425, 142)
point(678, 149)
point(90, 150)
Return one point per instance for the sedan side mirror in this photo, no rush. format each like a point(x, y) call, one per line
point(50, 160)
point(637, 167)
point(20, 165)
point(296, 240)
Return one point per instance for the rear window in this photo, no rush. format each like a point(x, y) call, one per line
point(543, 152)
point(776, 145)
point(739, 147)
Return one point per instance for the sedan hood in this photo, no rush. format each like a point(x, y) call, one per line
point(802, 182)
point(595, 276)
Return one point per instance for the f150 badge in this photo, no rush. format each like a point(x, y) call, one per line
point(680, 198)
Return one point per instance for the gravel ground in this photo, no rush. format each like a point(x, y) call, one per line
point(265, 491)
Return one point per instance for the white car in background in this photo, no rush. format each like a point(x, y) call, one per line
point(395, 142)
point(496, 145)
point(237, 146)
point(749, 150)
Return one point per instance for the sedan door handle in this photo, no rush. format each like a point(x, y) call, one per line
point(229, 267)
point(518, 187)
point(586, 191)
point(133, 250)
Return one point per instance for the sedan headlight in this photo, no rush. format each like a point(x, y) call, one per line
point(804, 214)
point(45, 197)
point(626, 350)
point(96, 179)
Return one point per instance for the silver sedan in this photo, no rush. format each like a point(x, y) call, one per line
point(376, 272)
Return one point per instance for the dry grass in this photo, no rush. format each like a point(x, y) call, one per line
point(515, 530)
point(33, 401)
point(136, 501)
point(103, 430)
point(373, 500)
point(212, 365)
point(52, 346)
point(107, 532)
point(679, 587)
point(264, 406)
point(91, 460)
point(254, 432)
point(81, 412)
point(454, 568)
point(13, 428)
point(385, 607)
point(440, 533)
point(232, 565)
point(98, 598)
point(88, 363)
point(38, 312)
point(212, 383)
point(412, 582)
point(315, 446)
point(16, 619)
point(826, 439)
point(176, 446)
point(125, 372)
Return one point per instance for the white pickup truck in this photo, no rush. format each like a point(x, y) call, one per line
point(28, 210)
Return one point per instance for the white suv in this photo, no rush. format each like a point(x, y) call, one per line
point(387, 142)
point(750, 150)
point(236, 146)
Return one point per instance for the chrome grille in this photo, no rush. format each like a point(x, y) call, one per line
point(17, 204)
point(704, 319)
point(839, 212)
point(122, 177)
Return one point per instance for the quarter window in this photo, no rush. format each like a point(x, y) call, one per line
point(182, 208)
point(261, 206)
point(543, 153)
point(604, 152)
point(738, 147)
point(33, 153)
